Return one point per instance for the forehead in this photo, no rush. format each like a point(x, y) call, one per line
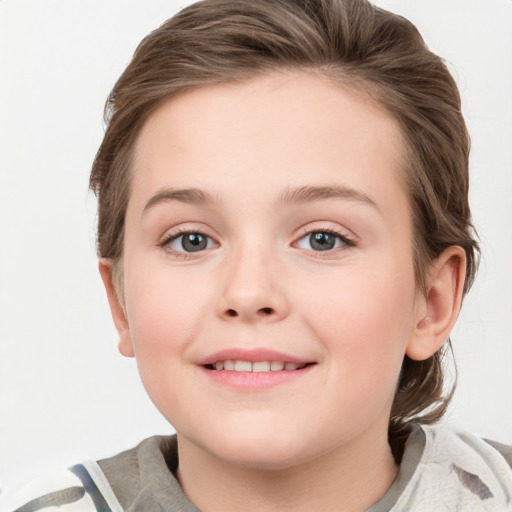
point(293, 128)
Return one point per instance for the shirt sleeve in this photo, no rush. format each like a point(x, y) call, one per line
point(81, 488)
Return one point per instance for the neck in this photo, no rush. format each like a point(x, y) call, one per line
point(349, 479)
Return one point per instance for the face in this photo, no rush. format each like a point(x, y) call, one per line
point(268, 273)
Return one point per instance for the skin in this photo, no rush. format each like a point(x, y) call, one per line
point(352, 311)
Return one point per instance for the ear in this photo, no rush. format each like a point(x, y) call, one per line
point(437, 312)
point(116, 309)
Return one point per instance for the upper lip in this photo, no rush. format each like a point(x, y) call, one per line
point(252, 355)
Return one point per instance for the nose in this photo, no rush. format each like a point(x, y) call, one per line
point(251, 293)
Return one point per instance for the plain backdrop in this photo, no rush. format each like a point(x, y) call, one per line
point(65, 392)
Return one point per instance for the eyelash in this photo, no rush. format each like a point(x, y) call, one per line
point(165, 243)
point(346, 241)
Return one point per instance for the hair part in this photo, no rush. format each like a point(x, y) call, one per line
point(351, 42)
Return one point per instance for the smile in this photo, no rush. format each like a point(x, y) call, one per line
point(261, 374)
point(255, 367)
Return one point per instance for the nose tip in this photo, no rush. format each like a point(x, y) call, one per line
point(250, 293)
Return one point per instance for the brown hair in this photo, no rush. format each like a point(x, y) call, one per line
point(351, 41)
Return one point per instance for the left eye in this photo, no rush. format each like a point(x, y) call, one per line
point(190, 242)
point(321, 241)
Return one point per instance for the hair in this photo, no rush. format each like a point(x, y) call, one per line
point(351, 42)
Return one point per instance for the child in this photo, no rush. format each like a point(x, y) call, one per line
point(285, 240)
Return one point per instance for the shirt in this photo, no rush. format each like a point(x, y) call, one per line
point(442, 470)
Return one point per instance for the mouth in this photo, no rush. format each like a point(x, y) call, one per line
point(257, 369)
point(235, 365)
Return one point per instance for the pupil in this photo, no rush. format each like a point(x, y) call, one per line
point(322, 241)
point(193, 242)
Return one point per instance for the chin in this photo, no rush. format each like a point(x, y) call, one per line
point(259, 448)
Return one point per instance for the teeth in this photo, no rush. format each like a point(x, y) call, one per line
point(229, 365)
point(263, 366)
point(259, 366)
point(243, 366)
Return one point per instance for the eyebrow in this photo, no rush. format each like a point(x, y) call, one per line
point(309, 194)
point(292, 195)
point(184, 195)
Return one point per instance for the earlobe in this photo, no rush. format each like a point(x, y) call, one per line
point(438, 311)
point(116, 309)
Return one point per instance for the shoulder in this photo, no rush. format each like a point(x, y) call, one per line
point(81, 488)
point(449, 469)
point(143, 478)
point(464, 468)
point(139, 479)
point(503, 449)
point(468, 448)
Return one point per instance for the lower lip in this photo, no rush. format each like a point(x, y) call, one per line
point(254, 381)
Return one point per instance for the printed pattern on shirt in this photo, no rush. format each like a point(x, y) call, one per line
point(72, 490)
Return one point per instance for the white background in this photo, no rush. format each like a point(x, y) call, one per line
point(65, 392)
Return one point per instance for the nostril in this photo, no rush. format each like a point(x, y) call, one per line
point(232, 312)
point(266, 311)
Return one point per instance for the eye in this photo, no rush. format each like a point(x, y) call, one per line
point(189, 242)
point(323, 241)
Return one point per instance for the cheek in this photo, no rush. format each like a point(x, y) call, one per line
point(164, 309)
point(365, 319)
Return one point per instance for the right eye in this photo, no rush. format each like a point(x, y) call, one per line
point(189, 242)
point(323, 241)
